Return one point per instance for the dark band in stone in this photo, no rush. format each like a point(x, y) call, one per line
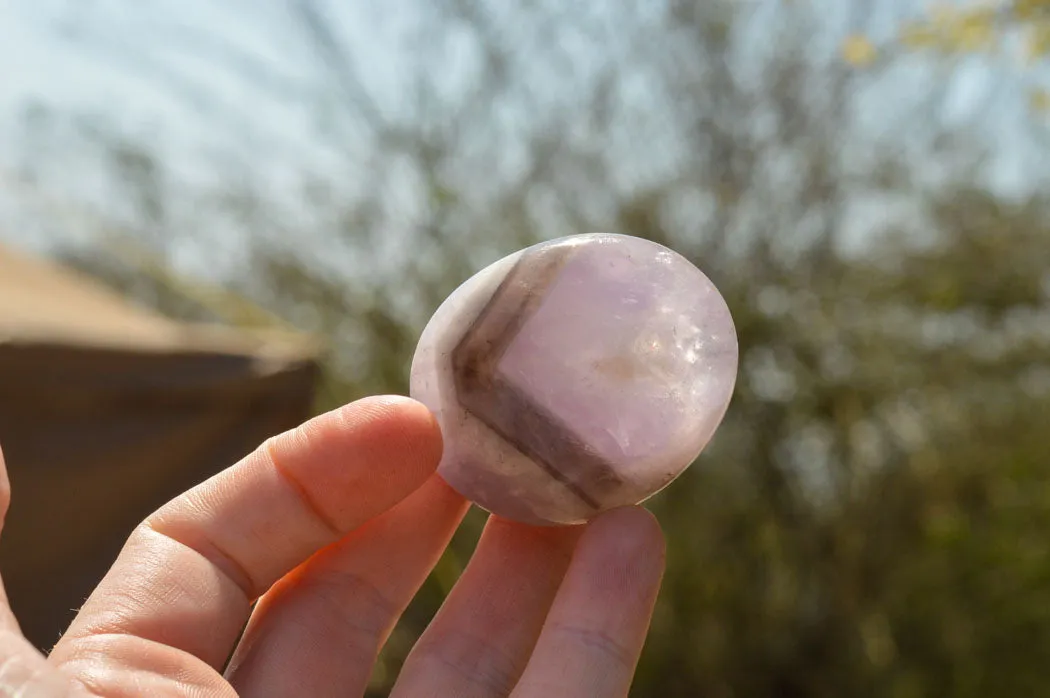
point(496, 402)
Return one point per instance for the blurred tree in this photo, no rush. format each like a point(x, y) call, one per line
point(869, 519)
point(1012, 28)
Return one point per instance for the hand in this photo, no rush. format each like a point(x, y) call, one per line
point(330, 529)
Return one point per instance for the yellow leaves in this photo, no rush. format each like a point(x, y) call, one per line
point(859, 51)
point(962, 27)
point(954, 30)
point(973, 26)
point(947, 28)
point(974, 31)
point(917, 35)
point(1039, 100)
point(1037, 40)
point(1031, 9)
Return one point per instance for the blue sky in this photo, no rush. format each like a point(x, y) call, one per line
point(136, 65)
point(148, 69)
point(119, 62)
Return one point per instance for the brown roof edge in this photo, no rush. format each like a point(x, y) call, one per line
point(42, 302)
point(183, 338)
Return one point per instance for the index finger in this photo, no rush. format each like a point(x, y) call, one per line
point(188, 574)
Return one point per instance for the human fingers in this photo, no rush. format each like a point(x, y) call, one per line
point(318, 631)
point(480, 641)
point(187, 575)
point(596, 627)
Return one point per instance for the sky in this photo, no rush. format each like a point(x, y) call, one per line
point(147, 69)
point(153, 68)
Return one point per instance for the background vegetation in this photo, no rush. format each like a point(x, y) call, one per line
point(872, 518)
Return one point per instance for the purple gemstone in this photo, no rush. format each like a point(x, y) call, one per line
point(576, 376)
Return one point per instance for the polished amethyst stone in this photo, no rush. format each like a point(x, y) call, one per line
point(576, 376)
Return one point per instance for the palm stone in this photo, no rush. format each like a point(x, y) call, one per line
point(576, 376)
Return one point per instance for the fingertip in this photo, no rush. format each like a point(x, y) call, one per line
point(557, 541)
point(386, 405)
point(418, 423)
point(398, 419)
point(397, 435)
point(632, 527)
point(628, 546)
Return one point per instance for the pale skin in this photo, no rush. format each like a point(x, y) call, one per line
point(318, 540)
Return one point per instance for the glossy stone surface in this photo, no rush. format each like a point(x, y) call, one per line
point(576, 376)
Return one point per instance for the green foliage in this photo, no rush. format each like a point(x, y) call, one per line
point(923, 571)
